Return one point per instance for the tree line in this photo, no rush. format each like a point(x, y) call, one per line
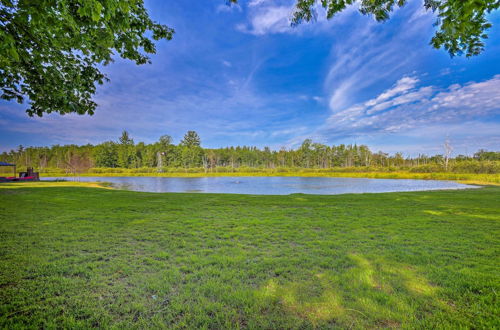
point(188, 154)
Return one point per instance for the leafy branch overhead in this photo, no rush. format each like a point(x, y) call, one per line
point(51, 50)
point(462, 24)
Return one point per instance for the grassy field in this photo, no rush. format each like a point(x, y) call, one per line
point(77, 257)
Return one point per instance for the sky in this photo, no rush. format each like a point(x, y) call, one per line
point(241, 75)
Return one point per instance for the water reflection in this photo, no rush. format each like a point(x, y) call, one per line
point(271, 185)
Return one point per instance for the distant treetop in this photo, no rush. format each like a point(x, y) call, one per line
point(191, 139)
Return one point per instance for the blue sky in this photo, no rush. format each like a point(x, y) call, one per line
point(241, 75)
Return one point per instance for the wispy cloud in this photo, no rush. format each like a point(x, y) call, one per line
point(406, 106)
point(367, 60)
point(274, 17)
point(231, 113)
point(267, 19)
point(402, 86)
point(229, 7)
point(254, 3)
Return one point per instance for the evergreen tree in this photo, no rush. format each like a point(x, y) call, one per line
point(191, 139)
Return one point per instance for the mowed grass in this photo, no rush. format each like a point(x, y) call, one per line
point(78, 257)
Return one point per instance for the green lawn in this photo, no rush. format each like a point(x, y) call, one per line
point(77, 257)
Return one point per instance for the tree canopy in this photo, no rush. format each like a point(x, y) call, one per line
point(51, 50)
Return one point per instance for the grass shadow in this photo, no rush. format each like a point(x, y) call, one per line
point(366, 293)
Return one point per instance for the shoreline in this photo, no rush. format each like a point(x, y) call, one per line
point(466, 178)
point(109, 186)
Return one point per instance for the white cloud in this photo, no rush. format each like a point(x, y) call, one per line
point(405, 98)
point(402, 86)
point(254, 3)
point(274, 16)
point(405, 107)
point(228, 8)
point(268, 19)
point(315, 98)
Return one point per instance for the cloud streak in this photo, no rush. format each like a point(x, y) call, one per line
point(406, 106)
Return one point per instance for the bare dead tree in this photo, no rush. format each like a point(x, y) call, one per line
point(448, 149)
point(205, 162)
point(159, 162)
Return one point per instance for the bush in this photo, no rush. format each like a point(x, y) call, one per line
point(474, 166)
point(429, 168)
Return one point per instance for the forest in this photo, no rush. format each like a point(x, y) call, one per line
point(163, 155)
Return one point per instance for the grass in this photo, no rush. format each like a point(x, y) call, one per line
point(76, 257)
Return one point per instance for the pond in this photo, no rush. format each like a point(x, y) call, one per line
point(270, 185)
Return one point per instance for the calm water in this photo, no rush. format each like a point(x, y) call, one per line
point(270, 185)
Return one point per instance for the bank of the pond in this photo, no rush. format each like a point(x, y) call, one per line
point(54, 184)
point(271, 185)
point(467, 178)
point(75, 257)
